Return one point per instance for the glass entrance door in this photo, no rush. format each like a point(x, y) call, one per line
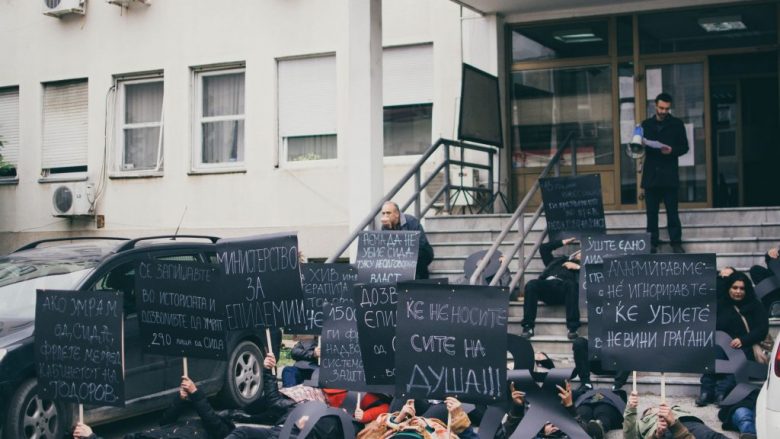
point(687, 83)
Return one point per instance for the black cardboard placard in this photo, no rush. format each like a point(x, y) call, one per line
point(451, 341)
point(261, 277)
point(341, 365)
point(659, 313)
point(181, 310)
point(387, 256)
point(377, 309)
point(78, 346)
point(323, 283)
point(573, 206)
point(594, 249)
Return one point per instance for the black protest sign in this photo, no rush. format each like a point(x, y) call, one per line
point(322, 283)
point(341, 366)
point(78, 347)
point(451, 341)
point(573, 206)
point(659, 313)
point(594, 249)
point(377, 308)
point(181, 310)
point(387, 256)
point(261, 277)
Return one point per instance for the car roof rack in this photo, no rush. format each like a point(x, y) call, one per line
point(131, 243)
point(35, 244)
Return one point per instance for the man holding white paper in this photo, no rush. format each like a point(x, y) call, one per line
point(665, 140)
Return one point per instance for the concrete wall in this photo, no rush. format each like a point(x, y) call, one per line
point(173, 36)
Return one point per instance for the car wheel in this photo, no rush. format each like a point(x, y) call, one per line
point(30, 416)
point(244, 375)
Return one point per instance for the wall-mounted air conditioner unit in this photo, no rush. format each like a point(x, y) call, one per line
point(58, 8)
point(72, 199)
point(129, 3)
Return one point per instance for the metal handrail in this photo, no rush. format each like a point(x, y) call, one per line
point(420, 185)
point(517, 216)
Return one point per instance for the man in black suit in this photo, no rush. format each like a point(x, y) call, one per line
point(665, 140)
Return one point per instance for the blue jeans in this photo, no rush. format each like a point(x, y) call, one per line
point(744, 419)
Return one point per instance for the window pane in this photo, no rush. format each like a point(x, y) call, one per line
point(311, 148)
point(143, 102)
point(560, 40)
point(223, 141)
point(549, 104)
point(628, 165)
point(223, 95)
point(407, 129)
point(625, 35)
point(141, 148)
point(705, 29)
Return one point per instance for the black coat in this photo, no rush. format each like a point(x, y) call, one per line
point(661, 170)
point(425, 256)
point(730, 322)
point(553, 265)
point(303, 354)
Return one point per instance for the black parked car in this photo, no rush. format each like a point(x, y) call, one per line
point(105, 264)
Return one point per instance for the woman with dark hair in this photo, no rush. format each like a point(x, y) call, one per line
point(742, 316)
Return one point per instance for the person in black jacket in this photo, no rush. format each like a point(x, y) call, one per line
point(742, 316)
point(393, 219)
point(556, 285)
point(306, 354)
point(665, 140)
point(210, 424)
point(758, 273)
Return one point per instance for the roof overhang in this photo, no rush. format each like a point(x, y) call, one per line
point(537, 10)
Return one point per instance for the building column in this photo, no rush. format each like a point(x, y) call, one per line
point(362, 127)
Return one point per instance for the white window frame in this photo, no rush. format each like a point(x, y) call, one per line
point(46, 174)
point(14, 148)
point(395, 95)
point(283, 138)
point(120, 126)
point(198, 119)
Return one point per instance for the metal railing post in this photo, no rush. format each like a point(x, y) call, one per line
point(447, 179)
point(417, 207)
point(490, 181)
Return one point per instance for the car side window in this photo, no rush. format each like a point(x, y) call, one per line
point(121, 278)
point(178, 258)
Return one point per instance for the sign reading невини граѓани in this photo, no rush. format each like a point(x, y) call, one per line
point(78, 346)
point(594, 249)
point(451, 341)
point(659, 313)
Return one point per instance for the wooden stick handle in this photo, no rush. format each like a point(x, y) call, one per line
point(184, 366)
point(663, 388)
point(268, 340)
point(633, 387)
point(81, 413)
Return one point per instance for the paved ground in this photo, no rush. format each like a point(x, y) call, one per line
point(708, 414)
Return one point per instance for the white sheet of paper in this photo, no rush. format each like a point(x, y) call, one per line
point(654, 144)
point(687, 158)
point(654, 83)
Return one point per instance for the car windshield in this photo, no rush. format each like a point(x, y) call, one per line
point(17, 300)
point(59, 267)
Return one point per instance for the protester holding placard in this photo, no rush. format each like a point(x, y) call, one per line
point(208, 425)
point(742, 316)
point(306, 354)
point(393, 219)
point(558, 284)
point(771, 298)
point(663, 422)
point(406, 423)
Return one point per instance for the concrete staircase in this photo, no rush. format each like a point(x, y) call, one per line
point(740, 237)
